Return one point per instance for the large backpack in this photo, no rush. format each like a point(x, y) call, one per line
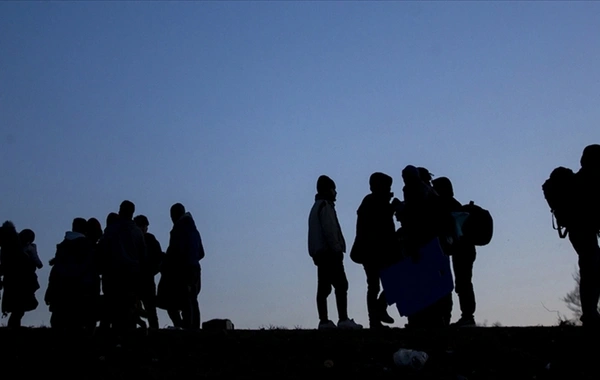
point(559, 193)
point(478, 227)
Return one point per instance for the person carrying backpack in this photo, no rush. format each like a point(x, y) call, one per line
point(462, 253)
point(583, 233)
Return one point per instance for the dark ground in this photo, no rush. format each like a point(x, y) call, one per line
point(467, 353)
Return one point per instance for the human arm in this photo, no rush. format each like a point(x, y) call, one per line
point(33, 254)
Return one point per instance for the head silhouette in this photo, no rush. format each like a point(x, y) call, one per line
point(177, 211)
point(410, 175)
point(27, 236)
point(590, 159)
point(142, 222)
point(111, 218)
point(326, 188)
point(93, 229)
point(443, 187)
point(79, 225)
point(424, 174)
point(126, 210)
point(325, 184)
point(9, 237)
point(380, 183)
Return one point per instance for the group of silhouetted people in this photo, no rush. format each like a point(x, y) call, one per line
point(425, 213)
point(107, 277)
point(430, 211)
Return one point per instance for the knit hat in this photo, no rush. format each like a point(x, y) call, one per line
point(324, 184)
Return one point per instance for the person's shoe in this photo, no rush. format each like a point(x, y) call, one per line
point(385, 317)
point(465, 322)
point(327, 325)
point(349, 324)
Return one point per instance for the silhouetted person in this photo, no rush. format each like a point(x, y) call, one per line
point(19, 279)
point(27, 238)
point(583, 233)
point(111, 218)
point(149, 271)
point(180, 281)
point(123, 249)
point(376, 243)
point(463, 254)
point(326, 246)
point(94, 232)
point(420, 210)
point(73, 284)
point(423, 218)
point(103, 312)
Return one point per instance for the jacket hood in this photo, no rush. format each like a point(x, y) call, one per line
point(186, 219)
point(71, 235)
point(324, 197)
point(185, 216)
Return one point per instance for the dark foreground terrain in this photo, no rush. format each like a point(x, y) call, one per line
point(467, 353)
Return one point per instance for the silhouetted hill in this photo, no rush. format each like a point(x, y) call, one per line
point(473, 353)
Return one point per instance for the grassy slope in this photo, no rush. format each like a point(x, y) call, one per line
point(474, 353)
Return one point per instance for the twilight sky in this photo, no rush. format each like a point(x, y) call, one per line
point(235, 108)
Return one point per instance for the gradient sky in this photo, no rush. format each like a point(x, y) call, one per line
point(235, 108)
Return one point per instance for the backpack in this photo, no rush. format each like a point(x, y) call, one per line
point(558, 190)
point(478, 227)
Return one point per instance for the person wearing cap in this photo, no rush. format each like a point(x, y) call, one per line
point(326, 246)
point(425, 175)
point(583, 234)
point(150, 269)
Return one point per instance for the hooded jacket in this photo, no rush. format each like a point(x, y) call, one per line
point(123, 249)
point(19, 279)
point(324, 231)
point(448, 205)
point(375, 239)
point(185, 243)
point(74, 274)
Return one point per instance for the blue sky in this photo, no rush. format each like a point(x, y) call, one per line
point(235, 108)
